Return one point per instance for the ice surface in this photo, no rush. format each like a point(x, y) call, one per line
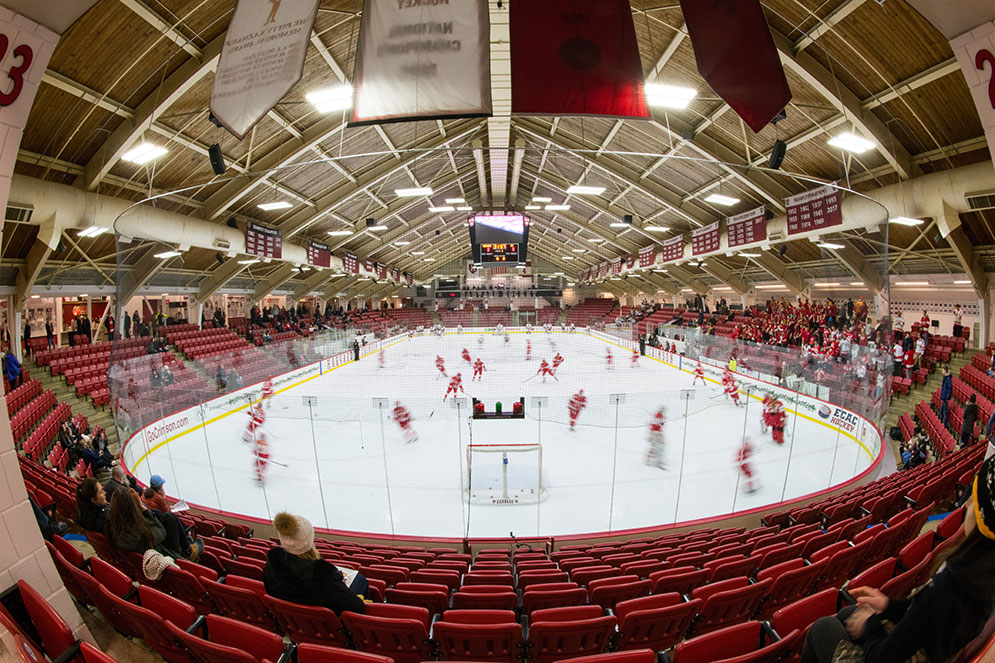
point(344, 463)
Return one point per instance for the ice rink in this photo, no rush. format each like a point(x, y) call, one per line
point(341, 461)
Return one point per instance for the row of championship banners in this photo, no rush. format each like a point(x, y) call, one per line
point(813, 210)
point(353, 265)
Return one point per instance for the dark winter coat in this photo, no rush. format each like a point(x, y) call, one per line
point(947, 388)
point(970, 416)
point(93, 517)
point(310, 582)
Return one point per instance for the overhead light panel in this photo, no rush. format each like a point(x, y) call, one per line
point(851, 142)
point(414, 192)
point(569, 258)
point(540, 199)
point(464, 208)
point(719, 199)
point(144, 153)
point(749, 255)
point(772, 287)
point(533, 207)
point(331, 99)
point(557, 208)
point(827, 285)
point(912, 283)
point(92, 231)
point(669, 96)
point(579, 250)
point(167, 254)
point(595, 240)
point(417, 253)
point(280, 204)
point(830, 245)
point(656, 229)
point(906, 221)
point(378, 228)
point(443, 208)
point(618, 224)
point(402, 243)
point(428, 259)
point(455, 201)
point(251, 261)
point(584, 190)
point(340, 233)
point(959, 283)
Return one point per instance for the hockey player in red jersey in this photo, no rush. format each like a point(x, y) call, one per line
point(255, 435)
point(403, 419)
point(777, 420)
point(743, 458)
point(440, 364)
point(528, 350)
point(699, 374)
point(608, 358)
point(257, 417)
point(478, 370)
point(730, 386)
point(577, 403)
point(381, 360)
point(267, 390)
point(455, 384)
point(765, 417)
point(544, 370)
point(654, 455)
point(557, 360)
point(466, 356)
point(635, 359)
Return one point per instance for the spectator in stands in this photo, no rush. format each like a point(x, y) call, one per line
point(920, 350)
point(167, 376)
point(12, 368)
point(958, 320)
point(155, 378)
point(48, 526)
point(50, 333)
point(234, 379)
point(222, 378)
point(913, 454)
point(970, 417)
point(118, 481)
point(91, 505)
point(946, 391)
point(940, 619)
point(296, 572)
point(155, 497)
point(133, 527)
point(96, 457)
point(26, 341)
point(109, 326)
point(135, 321)
point(127, 325)
point(991, 365)
point(70, 442)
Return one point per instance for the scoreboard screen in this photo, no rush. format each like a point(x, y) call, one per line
point(499, 238)
point(498, 253)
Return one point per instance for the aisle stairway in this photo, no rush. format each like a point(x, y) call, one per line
point(97, 417)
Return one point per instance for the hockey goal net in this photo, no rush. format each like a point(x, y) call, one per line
point(505, 474)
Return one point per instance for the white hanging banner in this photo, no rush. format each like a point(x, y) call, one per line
point(975, 51)
point(422, 60)
point(262, 59)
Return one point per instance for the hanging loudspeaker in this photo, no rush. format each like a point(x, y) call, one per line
point(781, 251)
point(217, 159)
point(777, 154)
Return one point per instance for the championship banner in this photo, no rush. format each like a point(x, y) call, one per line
point(409, 279)
point(381, 270)
point(318, 254)
point(672, 249)
point(262, 59)
point(814, 210)
point(472, 270)
point(603, 270)
point(526, 268)
point(395, 275)
point(368, 266)
point(350, 263)
point(705, 240)
point(263, 241)
point(647, 256)
point(747, 227)
point(616, 265)
point(422, 60)
point(630, 262)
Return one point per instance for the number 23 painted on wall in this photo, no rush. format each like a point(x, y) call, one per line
point(18, 71)
point(983, 56)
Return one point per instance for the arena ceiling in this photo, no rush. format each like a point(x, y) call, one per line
point(132, 70)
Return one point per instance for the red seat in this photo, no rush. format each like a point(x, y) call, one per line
point(506, 599)
point(188, 588)
point(635, 656)
point(876, 576)
point(657, 622)
point(734, 643)
point(306, 623)
point(902, 585)
point(609, 594)
point(792, 581)
point(435, 598)
point(79, 583)
point(798, 616)
point(540, 599)
point(149, 620)
point(479, 635)
point(681, 579)
point(56, 636)
point(537, 577)
point(727, 607)
point(230, 641)
point(405, 640)
point(560, 633)
point(242, 604)
point(28, 653)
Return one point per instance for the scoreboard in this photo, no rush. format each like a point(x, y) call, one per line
point(498, 253)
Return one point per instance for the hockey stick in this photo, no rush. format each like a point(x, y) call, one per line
point(531, 378)
point(278, 463)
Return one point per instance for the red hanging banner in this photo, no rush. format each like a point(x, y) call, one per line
point(318, 254)
point(814, 210)
point(705, 240)
point(747, 227)
point(350, 263)
point(647, 256)
point(672, 249)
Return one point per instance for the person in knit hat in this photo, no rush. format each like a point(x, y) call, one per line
point(295, 571)
point(940, 618)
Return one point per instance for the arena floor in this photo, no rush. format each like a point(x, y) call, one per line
point(341, 461)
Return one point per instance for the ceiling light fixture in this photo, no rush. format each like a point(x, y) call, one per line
point(92, 231)
point(455, 201)
point(830, 245)
point(442, 208)
point(378, 228)
point(719, 199)
point(618, 224)
point(557, 208)
point(428, 259)
point(568, 258)
point(143, 153)
point(331, 99)
point(595, 240)
point(584, 190)
point(669, 96)
point(402, 243)
point(656, 229)
point(251, 261)
point(540, 199)
point(959, 283)
point(280, 204)
point(906, 221)
point(464, 208)
point(749, 255)
point(417, 253)
point(414, 192)
point(827, 285)
point(340, 233)
point(533, 207)
point(579, 250)
point(912, 283)
point(851, 142)
point(772, 287)
point(167, 254)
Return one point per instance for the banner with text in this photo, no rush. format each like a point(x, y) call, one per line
point(747, 227)
point(350, 263)
point(318, 254)
point(672, 249)
point(814, 210)
point(616, 265)
point(647, 256)
point(409, 278)
point(262, 59)
point(263, 241)
point(705, 240)
point(422, 60)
